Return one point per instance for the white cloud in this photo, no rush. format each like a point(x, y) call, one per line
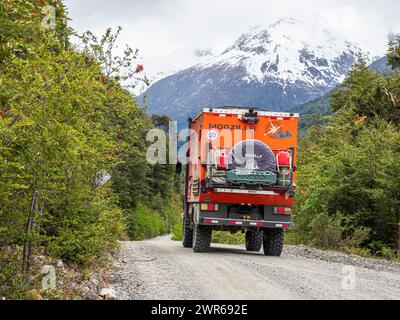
point(168, 33)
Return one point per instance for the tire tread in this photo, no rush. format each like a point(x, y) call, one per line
point(254, 241)
point(273, 242)
point(187, 232)
point(202, 239)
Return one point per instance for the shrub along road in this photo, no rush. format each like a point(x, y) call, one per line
point(163, 269)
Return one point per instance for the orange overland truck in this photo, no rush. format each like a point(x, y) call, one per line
point(240, 177)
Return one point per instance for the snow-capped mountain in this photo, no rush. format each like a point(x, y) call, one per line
point(275, 68)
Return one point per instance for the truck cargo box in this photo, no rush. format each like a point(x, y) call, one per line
point(242, 171)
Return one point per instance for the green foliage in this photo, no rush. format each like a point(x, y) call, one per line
point(348, 171)
point(326, 231)
point(221, 237)
point(11, 280)
point(66, 122)
point(177, 231)
point(394, 53)
point(90, 235)
point(145, 189)
point(144, 223)
point(224, 237)
point(329, 232)
point(390, 254)
point(359, 251)
point(369, 94)
point(290, 238)
point(54, 143)
point(153, 219)
point(384, 252)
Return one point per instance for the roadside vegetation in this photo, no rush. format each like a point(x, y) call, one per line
point(67, 124)
point(349, 169)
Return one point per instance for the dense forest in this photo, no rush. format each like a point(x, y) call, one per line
point(349, 170)
point(66, 125)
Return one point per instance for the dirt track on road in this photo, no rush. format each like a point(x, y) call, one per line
point(163, 269)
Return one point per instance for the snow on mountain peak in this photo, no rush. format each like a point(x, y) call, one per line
point(288, 51)
point(275, 68)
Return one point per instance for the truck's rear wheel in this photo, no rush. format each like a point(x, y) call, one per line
point(201, 238)
point(187, 232)
point(273, 242)
point(254, 241)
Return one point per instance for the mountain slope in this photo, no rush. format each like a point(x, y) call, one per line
point(321, 105)
point(276, 68)
point(381, 66)
point(315, 111)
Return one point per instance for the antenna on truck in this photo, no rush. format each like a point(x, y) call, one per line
point(251, 117)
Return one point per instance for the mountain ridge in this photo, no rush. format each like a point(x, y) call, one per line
point(277, 68)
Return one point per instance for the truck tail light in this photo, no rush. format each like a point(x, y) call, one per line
point(211, 221)
point(209, 207)
point(283, 226)
point(222, 162)
point(235, 223)
point(282, 211)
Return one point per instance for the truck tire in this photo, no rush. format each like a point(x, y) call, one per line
point(187, 232)
point(254, 241)
point(201, 238)
point(273, 242)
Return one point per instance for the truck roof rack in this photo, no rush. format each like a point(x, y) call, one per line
point(244, 110)
point(236, 107)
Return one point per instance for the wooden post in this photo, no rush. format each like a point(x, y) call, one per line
point(398, 229)
point(30, 226)
point(398, 236)
point(39, 224)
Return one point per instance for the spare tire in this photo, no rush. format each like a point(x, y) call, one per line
point(252, 155)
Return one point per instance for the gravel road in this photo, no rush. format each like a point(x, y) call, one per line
point(163, 269)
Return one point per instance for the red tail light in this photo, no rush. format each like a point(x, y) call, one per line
point(223, 162)
point(282, 211)
point(209, 207)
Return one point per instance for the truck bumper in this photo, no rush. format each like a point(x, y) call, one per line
point(245, 223)
point(228, 215)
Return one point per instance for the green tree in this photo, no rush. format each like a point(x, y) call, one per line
point(65, 124)
point(394, 52)
point(348, 169)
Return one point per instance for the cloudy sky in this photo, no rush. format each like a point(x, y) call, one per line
point(174, 34)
